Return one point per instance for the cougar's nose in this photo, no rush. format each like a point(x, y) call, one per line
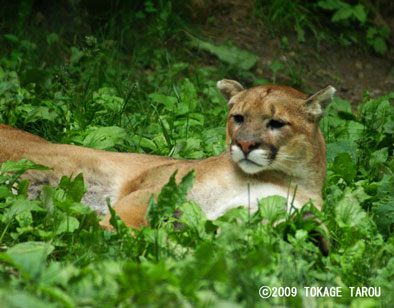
point(247, 146)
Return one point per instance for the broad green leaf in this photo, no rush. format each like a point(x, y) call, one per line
point(30, 257)
point(352, 256)
point(11, 37)
point(22, 299)
point(343, 13)
point(378, 157)
point(68, 224)
point(348, 212)
point(360, 13)
point(272, 208)
point(384, 31)
point(235, 215)
point(58, 294)
point(21, 166)
point(210, 265)
point(379, 113)
point(342, 146)
point(52, 38)
point(58, 273)
point(383, 207)
point(276, 66)
point(356, 130)
point(19, 205)
point(189, 94)
point(74, 188)
point(329, 4)
point(76, 55)
point(169, 102)
point(144, 142)
point(24, 219)
point(193, 216)
point(379, 45)
point(41, 113)
point(344, 166)
point(232, 55)
point(170, 198)
point(371, 32)
point(104, 138)
point(108, 100)
point(5, 192)
point(339, 104)
point(384, 214)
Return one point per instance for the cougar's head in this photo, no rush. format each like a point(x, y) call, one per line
point(274, 128)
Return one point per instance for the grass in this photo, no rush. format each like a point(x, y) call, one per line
point(163, 100)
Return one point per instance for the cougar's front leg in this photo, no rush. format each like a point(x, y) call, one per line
point(131, 209)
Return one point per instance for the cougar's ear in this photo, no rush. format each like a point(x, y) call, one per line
point(229, 88)
point(317, 103)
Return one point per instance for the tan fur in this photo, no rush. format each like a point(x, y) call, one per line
point(293, 155)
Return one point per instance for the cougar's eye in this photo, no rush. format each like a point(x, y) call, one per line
point(275, 124)
point(239, 119)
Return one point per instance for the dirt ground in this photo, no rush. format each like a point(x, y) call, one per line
point(350, 70)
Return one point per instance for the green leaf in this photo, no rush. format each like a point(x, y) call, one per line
point(329, 4)
point(143, 142)
point(371, 32)
point(383, 206)
point(379, 113)
point(384, 32)
point(22, 299)
point(342, 14)
point(169, 102)
point(360, 13)
point(341, 146)
point(384, 215)
point(11, 37)
point(41, 113)
point(30, 257)
point(378, 157)
point(58, 294)
point(19, 205)
point(104, 138)
point(67, 224)
point(170, 198)
point(379, 45)
point(74, 188)
point(272, 208)
point(5, 192)
point(193, 216)
point(52, 38)
point(76, 55)
point(344, 166)
point(21, 166)
point(348, 212)
point(276, 66)
point(232, 55)
point(352, 256)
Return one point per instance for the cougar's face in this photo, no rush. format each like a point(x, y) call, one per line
point(263, 133)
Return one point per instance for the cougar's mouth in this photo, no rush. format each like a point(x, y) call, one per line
point(253, 162)
point(245, 160)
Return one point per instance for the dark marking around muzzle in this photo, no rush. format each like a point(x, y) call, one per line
point(273, 152)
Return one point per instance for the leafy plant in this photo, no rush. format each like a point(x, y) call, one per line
point(353, 21)
point(110, 91)
point(346, 13)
